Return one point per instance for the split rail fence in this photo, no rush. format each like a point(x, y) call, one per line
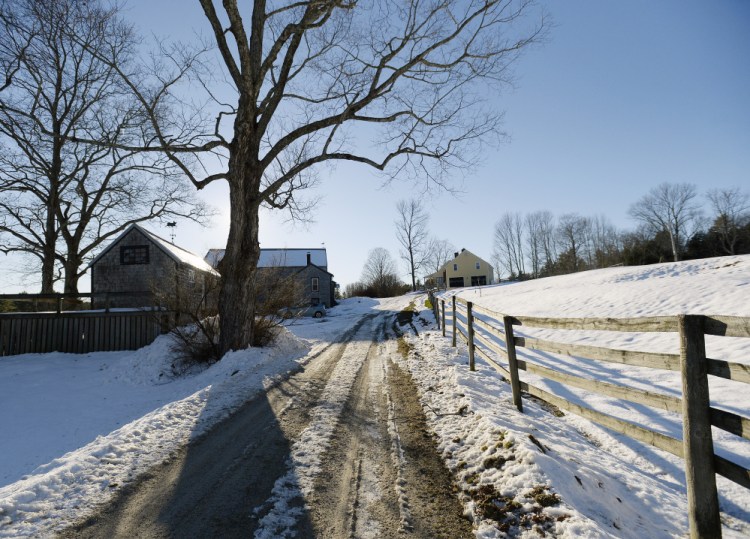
point(490, 335)
point(77, 331)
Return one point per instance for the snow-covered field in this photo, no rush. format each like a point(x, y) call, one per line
point(75, 428)
point(625, 488)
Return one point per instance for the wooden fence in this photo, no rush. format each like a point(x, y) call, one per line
point(77, 332)
point(490, 335)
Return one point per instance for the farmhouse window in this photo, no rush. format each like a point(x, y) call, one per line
point(455, 282)
point(478, 280)
point(315, 284)
point(134, 254)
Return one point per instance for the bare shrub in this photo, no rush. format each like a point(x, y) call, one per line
point(193, 320)
point(193, 313)
point(276, 289)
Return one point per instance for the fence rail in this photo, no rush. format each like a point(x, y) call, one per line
point(495, 341)
point(63, 302)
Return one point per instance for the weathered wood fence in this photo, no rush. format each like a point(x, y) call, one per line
point(490, 335)
point(77, 332)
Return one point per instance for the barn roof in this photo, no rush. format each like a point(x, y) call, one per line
point(283, 258)
point(178, 254)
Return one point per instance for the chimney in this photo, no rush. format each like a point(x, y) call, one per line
point(455, 255)
point(308, 259)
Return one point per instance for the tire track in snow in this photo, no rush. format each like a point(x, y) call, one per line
point(286, 504)
point(399, 461)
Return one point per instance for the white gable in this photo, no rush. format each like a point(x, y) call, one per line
point(178, 254)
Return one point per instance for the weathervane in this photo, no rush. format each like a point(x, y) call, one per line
point(171, 226)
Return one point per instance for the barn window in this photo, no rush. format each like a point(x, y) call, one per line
point(134, 254)
point(477, 265)
point(455, 267)
point(315, 284)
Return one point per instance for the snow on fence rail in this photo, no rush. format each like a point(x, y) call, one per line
point(496, 336)
point(76, 331)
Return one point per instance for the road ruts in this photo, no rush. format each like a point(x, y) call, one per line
point(382, 476)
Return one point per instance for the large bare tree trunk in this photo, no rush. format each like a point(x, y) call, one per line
point(71, 266)
point(237, 301)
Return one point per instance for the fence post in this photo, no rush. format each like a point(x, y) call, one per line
point(700, 476)
point(59, 304)
point(470, 331)
point(443, 302)
point(454, 322)
point(435, 308)
point(106, 302)
point(515, 382)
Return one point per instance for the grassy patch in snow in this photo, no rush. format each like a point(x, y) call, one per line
point(404, 347)
point(516, 514)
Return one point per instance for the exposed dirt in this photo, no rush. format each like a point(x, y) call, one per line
point(382, 474)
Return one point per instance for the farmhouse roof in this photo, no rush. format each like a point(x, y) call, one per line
point(178, 254)
point(284, 258)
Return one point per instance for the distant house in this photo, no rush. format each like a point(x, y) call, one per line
point(141, 261)
point(465, 269)
point(308, 267)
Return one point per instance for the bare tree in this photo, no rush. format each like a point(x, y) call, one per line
point(533, 224)
point(60, 199)
point(571, 232)
point(508, 243)
point(731, 210)
point(306, 72)
point(606, 242)
point(413, 235)
point(672, 208)
point(547, 232)
point(380, 272)
point(439, 252)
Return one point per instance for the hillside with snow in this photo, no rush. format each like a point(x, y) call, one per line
point(627, 488)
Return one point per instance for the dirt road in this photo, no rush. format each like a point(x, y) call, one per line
point(338, 450)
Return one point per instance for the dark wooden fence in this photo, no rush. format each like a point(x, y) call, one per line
point(490, 335)
point(77, 331)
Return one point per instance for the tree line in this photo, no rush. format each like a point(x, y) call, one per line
point(672, 225)
point(671, 221)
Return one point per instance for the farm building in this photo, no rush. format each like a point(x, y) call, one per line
point(307, 267)
point(464, 269)
point(139, 261)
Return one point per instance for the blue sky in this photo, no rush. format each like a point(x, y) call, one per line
point(622, 96)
